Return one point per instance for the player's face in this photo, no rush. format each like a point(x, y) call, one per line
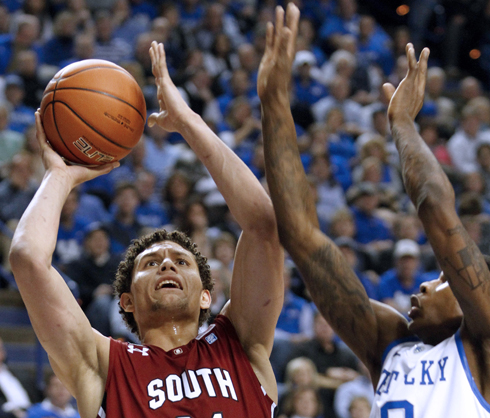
point(435, 313)
point(166, 279)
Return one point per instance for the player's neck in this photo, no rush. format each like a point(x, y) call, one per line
point(170, 335)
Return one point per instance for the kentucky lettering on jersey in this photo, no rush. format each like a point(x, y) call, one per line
point(419, 381)
point(211, 377)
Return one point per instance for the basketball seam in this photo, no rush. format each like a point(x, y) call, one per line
point(103, 93)
point(90, 126)
point(57, 130)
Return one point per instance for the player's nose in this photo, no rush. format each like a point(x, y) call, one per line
point(167, 264)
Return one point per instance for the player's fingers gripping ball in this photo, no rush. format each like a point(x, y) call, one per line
point(93, 112)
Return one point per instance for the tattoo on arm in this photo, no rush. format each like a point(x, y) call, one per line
point(469, 265)
point(336, 290)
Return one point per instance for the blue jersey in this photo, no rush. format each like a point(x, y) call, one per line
point(421, 381)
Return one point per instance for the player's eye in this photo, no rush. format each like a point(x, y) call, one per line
point(152, 263)
point(182, 262)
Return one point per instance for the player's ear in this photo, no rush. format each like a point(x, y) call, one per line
point(205, 299)
point(126, 302)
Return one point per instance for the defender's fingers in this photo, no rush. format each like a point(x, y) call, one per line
point(388, 90)
point(292, 19)
point(278, 27)
point(269, 38)
point(412, 61)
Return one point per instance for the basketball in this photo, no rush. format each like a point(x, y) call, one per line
point(93, 112)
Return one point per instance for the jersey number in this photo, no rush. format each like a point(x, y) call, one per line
point(215, 415)
point(392, 405)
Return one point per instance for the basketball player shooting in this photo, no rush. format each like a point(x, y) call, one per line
point(164, 287)
point(438, 364)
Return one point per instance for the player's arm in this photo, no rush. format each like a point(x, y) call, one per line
point(257, 288)
point(433, 196)
point(78, 354)
point(367, 327)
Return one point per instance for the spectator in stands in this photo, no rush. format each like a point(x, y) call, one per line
point(483, 159)
point(339, 98)
point(436, 94)
point(332, 137)
point(124, 226)
point(26, 35)
point(14, 399)
point(295, 323)
point(83, 49)
point(330, 195)
point(331, 359)
point(376, 146)
point(429, 132)
point(127, 24)
point(398, 284)
point(107, 46)
point(345, 20)
point(463, 144)
point(150, 211)
point(95, 269)
point(195, 224)
point(11, 142)
point(342, 224)
point(56, 404)
point(176, 193)
point(220, 60)
point(468, 88)
point(349, 393)
point(221, 289)
point(40, 9)
point(59, 48)
point(17, 190)
point(238, 85)
point(363, 199)
point(301, 372)
point(160, 156)
point(306, 40)
point(241, 129)
point(26, 66)
point(21, 116)
point(214, 21)
point(69, 244)
point(360, 407)
point(374, 44)
point(302, 402)
point(306, 89)
point(198, 94)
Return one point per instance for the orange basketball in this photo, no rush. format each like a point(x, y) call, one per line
point(93, 112)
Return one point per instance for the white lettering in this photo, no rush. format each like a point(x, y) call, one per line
point(174, 388)
point(196, 389)
point(205, 373)
point(157, 394)
point(224, 383)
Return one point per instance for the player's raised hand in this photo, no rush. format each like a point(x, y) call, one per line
point(408, 98)
point(174, 111)
point(52, 161)
point(275, 66)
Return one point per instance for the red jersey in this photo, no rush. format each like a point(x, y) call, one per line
point(210, 377)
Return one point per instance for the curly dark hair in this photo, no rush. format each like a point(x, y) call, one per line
point(124, 274)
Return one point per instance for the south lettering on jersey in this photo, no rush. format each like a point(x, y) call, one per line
point(211, 373)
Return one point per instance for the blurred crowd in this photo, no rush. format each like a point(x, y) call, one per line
point(345, 52)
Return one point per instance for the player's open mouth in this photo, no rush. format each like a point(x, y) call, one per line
point(415, 309)
point(168, 284)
